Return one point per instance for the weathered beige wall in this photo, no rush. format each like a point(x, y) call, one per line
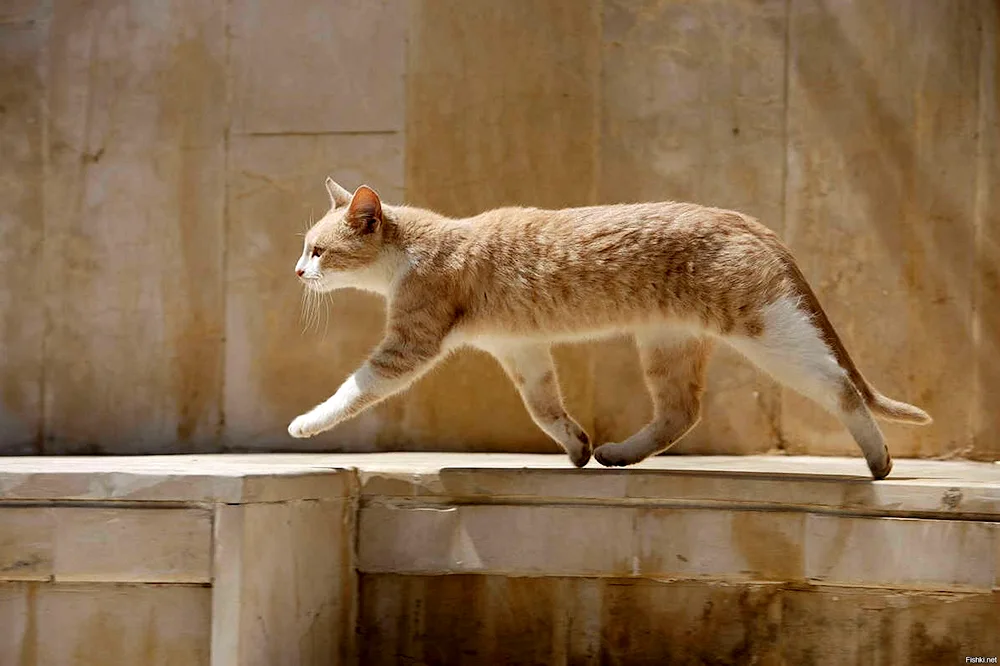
point(22, 294)
point(158, 158)
point(883, 131)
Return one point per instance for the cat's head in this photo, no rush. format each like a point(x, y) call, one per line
point(346, 243)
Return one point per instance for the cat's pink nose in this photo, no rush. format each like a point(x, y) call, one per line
point(299, 272)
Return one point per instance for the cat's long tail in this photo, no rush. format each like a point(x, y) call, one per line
point(880, 405)
point(893, 410)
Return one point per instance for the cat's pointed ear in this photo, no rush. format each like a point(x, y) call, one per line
point(338, 195)
point(365, 213)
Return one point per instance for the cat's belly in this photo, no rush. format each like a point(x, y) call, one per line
point(500, 339)
point(493, 338)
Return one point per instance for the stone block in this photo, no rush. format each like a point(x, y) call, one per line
point(284, 585)
point(133, 545)
point(748, 545)
point(134, 199)
point(17, 607)
point(836, 625)
point(515, 540)
point(494, 619)
point(500, 620)
point(110, 625)
point(22, 285)
point(26, 544)
point(75, 544)
point(986, 418)
point(895, 552)
point(260, 562)
point(996, 561)
point(501, 104)
point(316, 68)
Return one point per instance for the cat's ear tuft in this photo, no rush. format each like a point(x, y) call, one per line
point(365, 213)
point(338, 195)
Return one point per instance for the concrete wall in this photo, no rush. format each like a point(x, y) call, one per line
point(157, 160)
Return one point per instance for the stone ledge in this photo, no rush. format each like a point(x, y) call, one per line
point(741, 519)
point(232, 479)
point(916, 488)
point(281, 543)
point(679, 543)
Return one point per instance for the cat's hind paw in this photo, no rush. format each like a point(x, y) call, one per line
point(620, 454)
point(580, 455)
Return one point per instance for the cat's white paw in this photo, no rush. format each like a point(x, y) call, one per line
point(304, 426)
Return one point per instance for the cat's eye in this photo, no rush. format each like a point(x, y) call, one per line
point(317, 251)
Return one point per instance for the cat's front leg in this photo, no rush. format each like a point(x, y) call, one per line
point(356, 393)
point(403, 356)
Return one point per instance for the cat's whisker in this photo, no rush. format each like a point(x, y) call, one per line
point(303, 309)
point(310, 222)
point(310, 309)
point(327, 304)
point(309, 314)
point(317, 310)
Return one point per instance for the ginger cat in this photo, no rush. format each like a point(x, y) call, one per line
point(512, 281)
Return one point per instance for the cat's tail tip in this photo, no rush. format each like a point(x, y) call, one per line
point(895, 410)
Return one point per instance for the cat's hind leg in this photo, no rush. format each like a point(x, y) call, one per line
point(673, 363)
point(791, 349)
point(531, 369)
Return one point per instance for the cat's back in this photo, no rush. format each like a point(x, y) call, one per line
point(519, 217)
point(611, 252)
point(629, 227)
